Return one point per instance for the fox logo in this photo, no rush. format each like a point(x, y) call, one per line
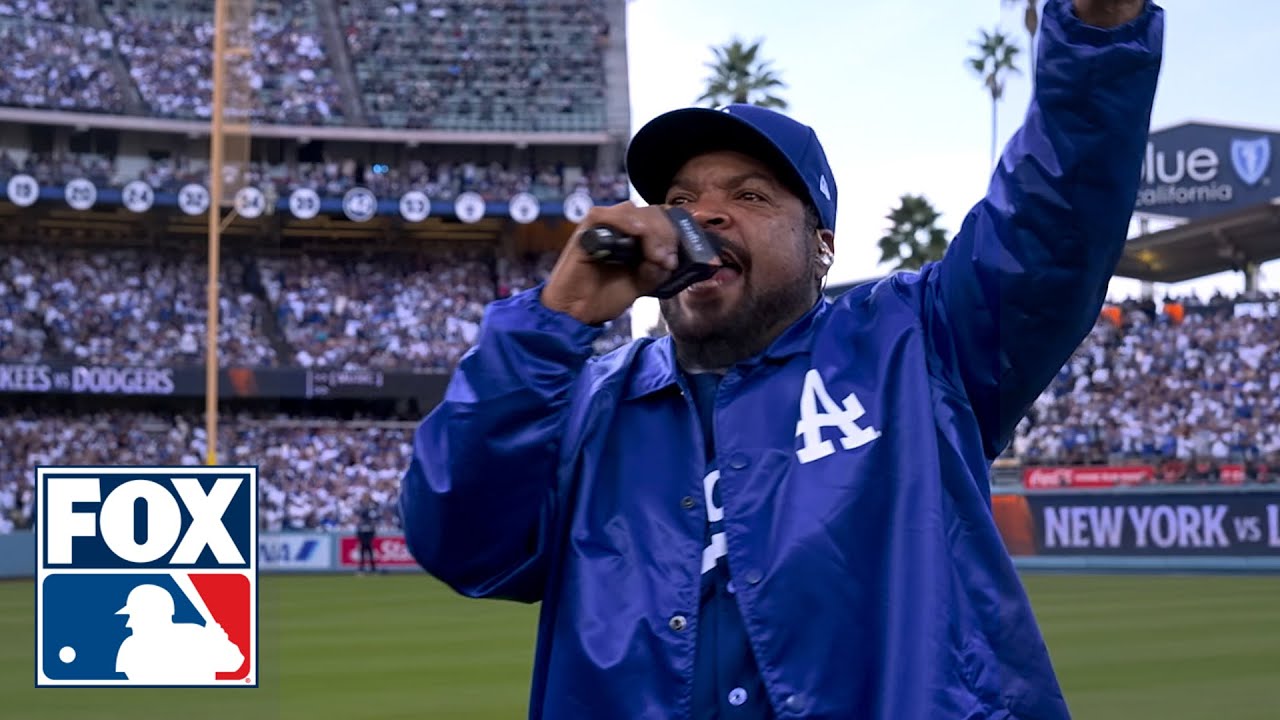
point(146, 576)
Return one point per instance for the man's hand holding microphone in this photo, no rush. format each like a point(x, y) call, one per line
point(622, 252)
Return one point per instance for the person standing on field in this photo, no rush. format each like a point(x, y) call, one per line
point(366, 530)
point(782, 509)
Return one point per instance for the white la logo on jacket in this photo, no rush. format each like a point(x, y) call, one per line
point(809, 427)
point(832, 415)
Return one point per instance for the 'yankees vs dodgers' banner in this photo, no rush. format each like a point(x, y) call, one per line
point(1167, 524)
point(146, 576)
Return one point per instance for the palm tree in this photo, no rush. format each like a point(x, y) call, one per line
point(740, 76)
point(914, 237)
point(1031, 21)
point(997, 57)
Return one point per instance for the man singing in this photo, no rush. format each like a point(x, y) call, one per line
point(782, 510)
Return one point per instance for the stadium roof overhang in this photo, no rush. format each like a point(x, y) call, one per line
point(1221, 243)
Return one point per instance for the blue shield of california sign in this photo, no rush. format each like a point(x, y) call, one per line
point(1251, 158)
point(146, 576)
point(1196, 170)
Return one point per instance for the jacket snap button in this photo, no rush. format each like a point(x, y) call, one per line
point(738, 461)
point(754, 577)
point(678, 623)
point(794, 703)
point(688, 502)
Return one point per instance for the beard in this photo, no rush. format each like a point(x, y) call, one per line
point(742, 330)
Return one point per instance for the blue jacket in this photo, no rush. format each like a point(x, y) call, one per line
point(854, 452)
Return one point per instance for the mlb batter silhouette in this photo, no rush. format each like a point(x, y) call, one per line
point(163, 652)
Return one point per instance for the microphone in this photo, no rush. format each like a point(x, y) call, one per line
point(607, 246)
point(695, 251)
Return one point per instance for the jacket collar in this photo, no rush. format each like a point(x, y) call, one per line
point(656, 368)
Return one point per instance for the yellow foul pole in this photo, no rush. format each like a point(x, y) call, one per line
point(215, 217)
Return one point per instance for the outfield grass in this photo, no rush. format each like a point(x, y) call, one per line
point(401, 647)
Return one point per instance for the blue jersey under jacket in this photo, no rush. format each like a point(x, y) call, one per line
point(854, 453)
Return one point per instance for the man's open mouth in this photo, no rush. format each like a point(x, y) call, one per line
point(729, 271)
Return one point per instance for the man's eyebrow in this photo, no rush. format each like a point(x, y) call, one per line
point(732, 181)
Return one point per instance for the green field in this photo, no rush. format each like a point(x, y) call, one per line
point(401, 647)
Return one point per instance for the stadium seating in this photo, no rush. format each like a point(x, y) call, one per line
point(59, 11)
point(134, 307)
point(482, 65)
point(313, 473)
point(356, 313)
point(491, 65)
point(168, 47)
point(1185, 388)
point(125, 307)
point(1202, 390)
point(56, 65)
point(1154, 386)
point(57, 169)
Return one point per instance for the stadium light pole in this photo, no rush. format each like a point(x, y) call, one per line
point(215, 218)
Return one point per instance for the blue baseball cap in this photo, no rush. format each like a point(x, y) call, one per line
point(789, 148)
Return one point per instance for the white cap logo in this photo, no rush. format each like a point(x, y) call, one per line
point(822, 187)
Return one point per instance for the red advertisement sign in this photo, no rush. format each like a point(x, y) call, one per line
point(1044, 478)
point(389, 551)
point(1049, 478)
point(1231, 475)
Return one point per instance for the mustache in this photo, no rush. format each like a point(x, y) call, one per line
point(726, 247)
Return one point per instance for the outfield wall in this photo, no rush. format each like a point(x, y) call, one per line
point(1141, 528)
point(1235, 528)
point(292, 552)
point(18, 555)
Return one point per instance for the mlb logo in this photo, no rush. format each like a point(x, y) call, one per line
point(147, 576)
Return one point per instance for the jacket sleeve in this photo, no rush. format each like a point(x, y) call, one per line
point(478, 501)
point(1024, 279)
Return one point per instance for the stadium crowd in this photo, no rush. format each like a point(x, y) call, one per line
point(169, 54)
point(439, 180)
point(134, 307)
point(408, 313)
point(59, 11)
point(55, 66)
point(1187, 388)
point(480, 64)
point(483, 65)
point(124, 307)
point(1187, 382)
point(404, 313)
point(313, 474)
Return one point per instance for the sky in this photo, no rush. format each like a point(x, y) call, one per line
point(885, 85)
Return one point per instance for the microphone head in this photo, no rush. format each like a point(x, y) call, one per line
point(605, 245)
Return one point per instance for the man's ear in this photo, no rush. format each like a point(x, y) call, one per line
point(826, 252)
